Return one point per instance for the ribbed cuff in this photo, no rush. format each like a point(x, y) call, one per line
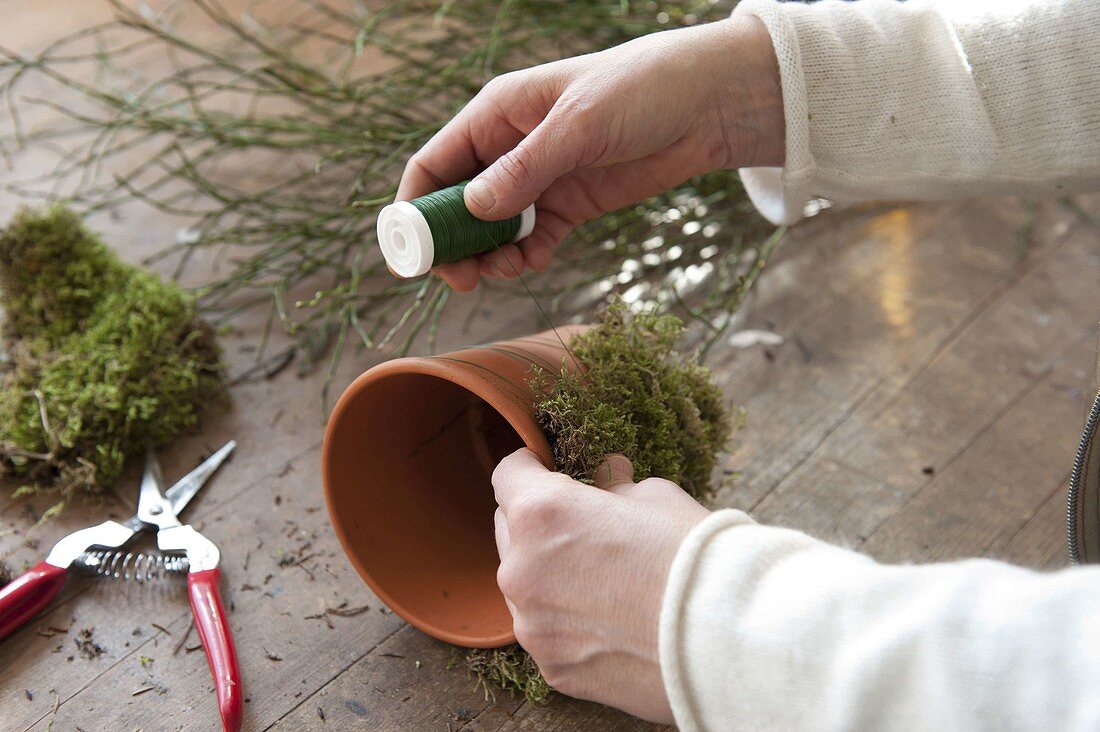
point(670, 635)
point(781, 194)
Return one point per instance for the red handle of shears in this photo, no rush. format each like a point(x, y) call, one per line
point(26, 595)
point(213, 626)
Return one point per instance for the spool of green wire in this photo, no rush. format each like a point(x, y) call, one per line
point(438, 229)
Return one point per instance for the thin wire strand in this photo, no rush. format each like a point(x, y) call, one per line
point(538, 305)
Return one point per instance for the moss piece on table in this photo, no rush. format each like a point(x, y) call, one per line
point(103, 356)
point(53, 274)
point(510, 668)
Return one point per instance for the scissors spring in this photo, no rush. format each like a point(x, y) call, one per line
point(139, 567)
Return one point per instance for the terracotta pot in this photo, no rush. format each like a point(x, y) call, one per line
point(408, 456)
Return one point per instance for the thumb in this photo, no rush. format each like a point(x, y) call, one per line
point(519, 176)
point(615, 472)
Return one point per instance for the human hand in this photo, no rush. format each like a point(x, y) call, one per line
point(583, 570)
point(587, 135)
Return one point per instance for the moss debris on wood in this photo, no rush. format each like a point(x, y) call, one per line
point(101, 357)
point(510, 669)
point(86, 644)
point(641, 395)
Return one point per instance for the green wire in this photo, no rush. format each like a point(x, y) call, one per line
point(457, 233)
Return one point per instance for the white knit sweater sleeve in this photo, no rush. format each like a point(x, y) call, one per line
point(931, 99)
point(768, 629)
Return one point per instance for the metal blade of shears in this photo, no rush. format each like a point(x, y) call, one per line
point(180, 494)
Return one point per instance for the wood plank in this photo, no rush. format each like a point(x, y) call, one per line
point(1006, 347)
point(1041, 542)
point(562, 713)
point(910, 430)
point(389, 690)
point(818, 262)
point(1001, 481)
point(885, 331)
point(404, 683)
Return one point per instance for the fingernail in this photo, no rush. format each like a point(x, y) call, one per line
point(480, 193)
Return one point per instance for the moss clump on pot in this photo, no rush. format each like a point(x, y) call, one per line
point(641, 395)
point(102, 357)
point(638, 395)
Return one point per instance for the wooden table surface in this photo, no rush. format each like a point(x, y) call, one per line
point(925, 405)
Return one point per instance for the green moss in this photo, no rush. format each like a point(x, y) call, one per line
point(511, 669)
point(640, 395)
point(103, 357)
point(53, 273)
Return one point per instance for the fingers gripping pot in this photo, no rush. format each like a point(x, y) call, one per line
point(408, 456)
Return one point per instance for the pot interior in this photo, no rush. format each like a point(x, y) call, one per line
point(408, 472)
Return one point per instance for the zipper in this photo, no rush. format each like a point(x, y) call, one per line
point(1076, 488)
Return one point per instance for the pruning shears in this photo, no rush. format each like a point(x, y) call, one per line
point(158, 510)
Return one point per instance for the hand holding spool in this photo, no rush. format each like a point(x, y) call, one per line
point(588, 135)
point(438, 229)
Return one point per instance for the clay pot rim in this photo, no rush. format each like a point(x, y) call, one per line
point(436, 367)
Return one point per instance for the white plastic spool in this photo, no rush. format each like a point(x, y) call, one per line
point(406, 240)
